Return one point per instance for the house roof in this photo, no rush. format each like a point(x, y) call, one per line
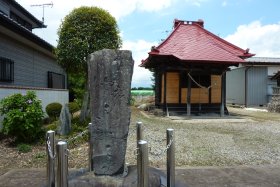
point(14, 27)
point(35, 22)
point(190, 42)
point(263, 61)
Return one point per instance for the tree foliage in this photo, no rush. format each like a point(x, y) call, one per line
point(76, 85)
point(84, 31)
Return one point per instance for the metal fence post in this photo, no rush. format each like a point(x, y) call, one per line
point(142, 164)
point(62, 164)
point(90, 128)
point(51, 160)
point(139, 136)
point(170, 161)
point(139, 131)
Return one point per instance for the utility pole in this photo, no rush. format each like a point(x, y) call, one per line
point(43, 6)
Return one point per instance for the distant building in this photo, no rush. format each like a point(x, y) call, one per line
point(251, 84)
point(27, 62)
point(190, 66)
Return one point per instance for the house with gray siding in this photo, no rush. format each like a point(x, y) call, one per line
point(27, 62)
point(251, 83)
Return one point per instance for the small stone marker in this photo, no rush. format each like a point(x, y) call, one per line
point(64, 121)
point(110, 73)
point(274, 104)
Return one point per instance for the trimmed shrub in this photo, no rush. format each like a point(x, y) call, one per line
point(73, 107)
point(53, 110)
point(23, 116)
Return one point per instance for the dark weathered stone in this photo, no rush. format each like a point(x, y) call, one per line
point(64, 121)
point(110, 73)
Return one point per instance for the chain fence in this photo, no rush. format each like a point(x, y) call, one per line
point(81, 134)
point(50, 153)
point(69, 141)
point(159, 153)
point(157, 150)
point(73, 140)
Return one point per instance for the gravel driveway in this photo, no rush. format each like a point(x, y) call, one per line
point(251, 139)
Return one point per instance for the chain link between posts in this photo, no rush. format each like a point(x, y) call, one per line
point(51, 154)
point(159, 153)
point(77, 136)
point(162, 152)
point(72, 140)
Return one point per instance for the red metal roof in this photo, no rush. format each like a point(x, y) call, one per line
point(189, 41)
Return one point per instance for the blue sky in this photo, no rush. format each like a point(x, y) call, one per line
point(253, 24)
point(221, 17)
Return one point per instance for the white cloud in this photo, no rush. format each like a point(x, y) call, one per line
point(263, 40)
point(224, 3)
point(154, 5)
point(118, 8)
point(196, 2)
point(140, 49)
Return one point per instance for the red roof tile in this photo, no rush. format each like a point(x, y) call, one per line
point(189, 41)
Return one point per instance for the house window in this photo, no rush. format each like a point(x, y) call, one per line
point(203, 80)
point(6, 70)
point(56, 80)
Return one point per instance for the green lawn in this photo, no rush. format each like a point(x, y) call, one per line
point(142, 92)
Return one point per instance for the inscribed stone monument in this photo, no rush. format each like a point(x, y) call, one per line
point(110, 73)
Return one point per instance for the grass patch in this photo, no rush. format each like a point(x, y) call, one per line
point(142, 92)
point(24, 148)
point(40, 155)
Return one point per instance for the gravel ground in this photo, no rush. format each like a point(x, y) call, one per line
point(10, 158)
point(215, 143)
point(254, 141)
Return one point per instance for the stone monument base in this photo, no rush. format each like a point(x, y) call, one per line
point(156, 179)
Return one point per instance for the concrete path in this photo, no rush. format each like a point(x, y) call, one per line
point(260, 176)
point(244, 176)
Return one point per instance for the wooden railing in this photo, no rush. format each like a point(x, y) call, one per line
point(276, 90)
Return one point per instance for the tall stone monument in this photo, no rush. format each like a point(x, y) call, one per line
point(110, 73)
